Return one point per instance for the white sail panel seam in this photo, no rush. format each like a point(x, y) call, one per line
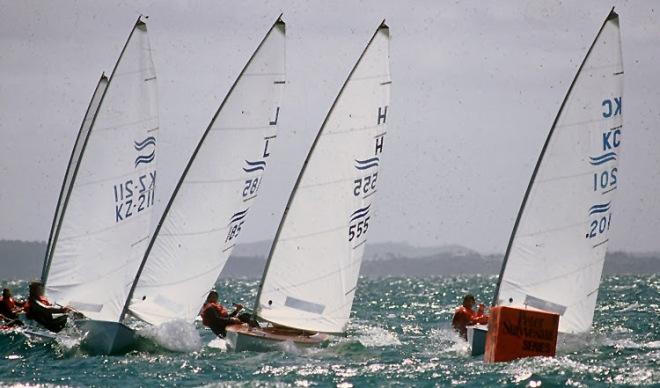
point(94, 232)
point(325, 183)
point(137, 171)
point(371, 77)
point(559, 178)
point(251, 128)
point(196, 233)
point(618, 66)
point(149, 69)
point(303, 236)
point(543, 231)
point(577, 124)
point(212, 181)
point(352, 130)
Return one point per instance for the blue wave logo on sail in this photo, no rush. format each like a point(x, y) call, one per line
point(359, 213)
point(254, 166)
point(598, 160)
point(238, 216)
point(367, 163)
point(599, 209)
point(140, 146)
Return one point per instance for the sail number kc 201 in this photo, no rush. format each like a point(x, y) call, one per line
point(605, 177)
point(365, 185)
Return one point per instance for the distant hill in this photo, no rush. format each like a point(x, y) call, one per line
point(23, 260)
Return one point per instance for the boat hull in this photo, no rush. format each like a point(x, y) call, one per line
point(105, 337)
point(242, 337)
point(476, 336)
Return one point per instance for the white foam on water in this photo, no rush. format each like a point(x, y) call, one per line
point(621, 330)
point(177, 336)
point(374, 336)
point(289, 347)
point(446, 340)
point(218, 343)
point(634, 306)
point(622, 343)
point(68, 342)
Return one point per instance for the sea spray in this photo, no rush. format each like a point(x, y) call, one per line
point(373, 336)
point(177, 336)
point(218, 343)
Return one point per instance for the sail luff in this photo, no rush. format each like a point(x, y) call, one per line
point(521, 211)
point(95, 246)
point(67, 182)
point(51, 249)
point(184, 175)
point(299, 179)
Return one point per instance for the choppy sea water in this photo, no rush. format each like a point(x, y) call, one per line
point(399, 336)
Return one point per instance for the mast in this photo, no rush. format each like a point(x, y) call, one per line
point(304, 167)
point(67, 181)
point(55, 234)
point(611, 15)
point(127, 303)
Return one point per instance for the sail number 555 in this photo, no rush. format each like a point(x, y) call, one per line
point(358, 229)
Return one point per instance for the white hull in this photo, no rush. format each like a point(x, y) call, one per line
point(104, 337)
point(241, 338)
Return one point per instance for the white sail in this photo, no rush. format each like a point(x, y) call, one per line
point(212, 201)
point(556, 253)
point(312, 272)
point(106, 220)
point(81, 139)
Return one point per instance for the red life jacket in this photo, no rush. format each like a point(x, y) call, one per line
point(206, 318)
point(9, 303)
point(42, 299)
point(465, 316)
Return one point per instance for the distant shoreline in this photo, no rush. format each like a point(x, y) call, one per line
point(23, 260)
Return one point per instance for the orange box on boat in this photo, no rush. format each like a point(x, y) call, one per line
point(517, 332)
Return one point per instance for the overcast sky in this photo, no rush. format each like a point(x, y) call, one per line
point(476, 86)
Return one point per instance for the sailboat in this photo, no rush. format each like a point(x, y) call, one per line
point(310, 278)
point(554, 259)
point(212, 200)
point(103, 218)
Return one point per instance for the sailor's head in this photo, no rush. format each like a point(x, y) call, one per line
point(213, 297)
point(469, 301)
point(36, 289)
point(6, 293)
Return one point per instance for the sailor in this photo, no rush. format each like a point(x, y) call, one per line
point(465, 316)
point(216, 317)
point(39, 309)
point(9, 308)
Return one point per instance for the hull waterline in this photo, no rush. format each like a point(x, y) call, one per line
point(242, 337)
point(104, 337)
